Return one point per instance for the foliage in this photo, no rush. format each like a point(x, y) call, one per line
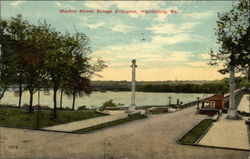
point(109, 103)
point(82, 107)
point(233, 37)
point(217, 86)
point(39, 56)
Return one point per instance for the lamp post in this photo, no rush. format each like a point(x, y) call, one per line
point(198, 102)
point(169, 100)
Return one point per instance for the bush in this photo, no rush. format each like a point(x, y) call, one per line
point(109, 103)
point(106, 104)
point(82, 107)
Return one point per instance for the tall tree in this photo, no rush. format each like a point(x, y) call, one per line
point(80, 70)
point(56, 63)
point(16, 28)
point(12, 32)
point(31, 57)
point(233, 36)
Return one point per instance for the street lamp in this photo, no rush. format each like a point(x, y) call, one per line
point(198, 101)
point(169, 100)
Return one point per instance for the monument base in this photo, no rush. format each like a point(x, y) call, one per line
point(131, 109)
point(232, 114)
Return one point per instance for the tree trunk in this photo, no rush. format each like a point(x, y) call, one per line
point(20, 95)
point(54, 99)
point(73, 102)
point(2, 94)
point(61, 98)
point(31, 110)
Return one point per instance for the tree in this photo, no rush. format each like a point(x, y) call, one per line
point(12, 32)
point(55, 62)
point(5, 58)
point(80, 71)
point(31, 59)
point(15, 29)
point(77, 46)
point(77, 86)
point(233, 36)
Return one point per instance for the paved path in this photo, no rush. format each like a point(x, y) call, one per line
point(150, 138)
point(229, 133)
point(244, 103)
point(69, 127)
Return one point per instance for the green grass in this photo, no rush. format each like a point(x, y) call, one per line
point(112, 123)
point(158, 111)
point(193, 135)
point(15, 117)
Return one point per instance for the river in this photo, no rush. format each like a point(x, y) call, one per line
point(96, 99)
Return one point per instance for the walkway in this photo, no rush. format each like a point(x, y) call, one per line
point(229, 133)
point(69, 127)
point(151, 138)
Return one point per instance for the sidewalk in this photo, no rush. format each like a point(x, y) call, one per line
point(229, 133)
point(69, 127)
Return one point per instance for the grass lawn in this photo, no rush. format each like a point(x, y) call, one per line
point(158, 111)
point(112, 123)
point(193, 135)
point(15, 117)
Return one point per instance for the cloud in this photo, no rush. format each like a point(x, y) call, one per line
point(141, 50)
point(198, 64)
point(117, 65)
point(172, 28)
point(16, 3)
point(98, 5)
point(205, 56)
point(128, 5)
point(161, 73)
point(139, 4)
point(64, 5)
point(171, 40)
point(170, 57)
point(161, 17)
point(93, 26)
point(121, 28)
point(200, 15)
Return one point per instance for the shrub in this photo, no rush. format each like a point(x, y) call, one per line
point(106, 104)
point(82, 107)
point(109, 103)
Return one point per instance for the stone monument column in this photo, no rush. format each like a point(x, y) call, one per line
point(232, 108)
point(132, 107)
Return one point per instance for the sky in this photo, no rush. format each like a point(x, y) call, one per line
point(171, 46)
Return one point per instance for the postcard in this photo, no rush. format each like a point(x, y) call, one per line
point(124, 79)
